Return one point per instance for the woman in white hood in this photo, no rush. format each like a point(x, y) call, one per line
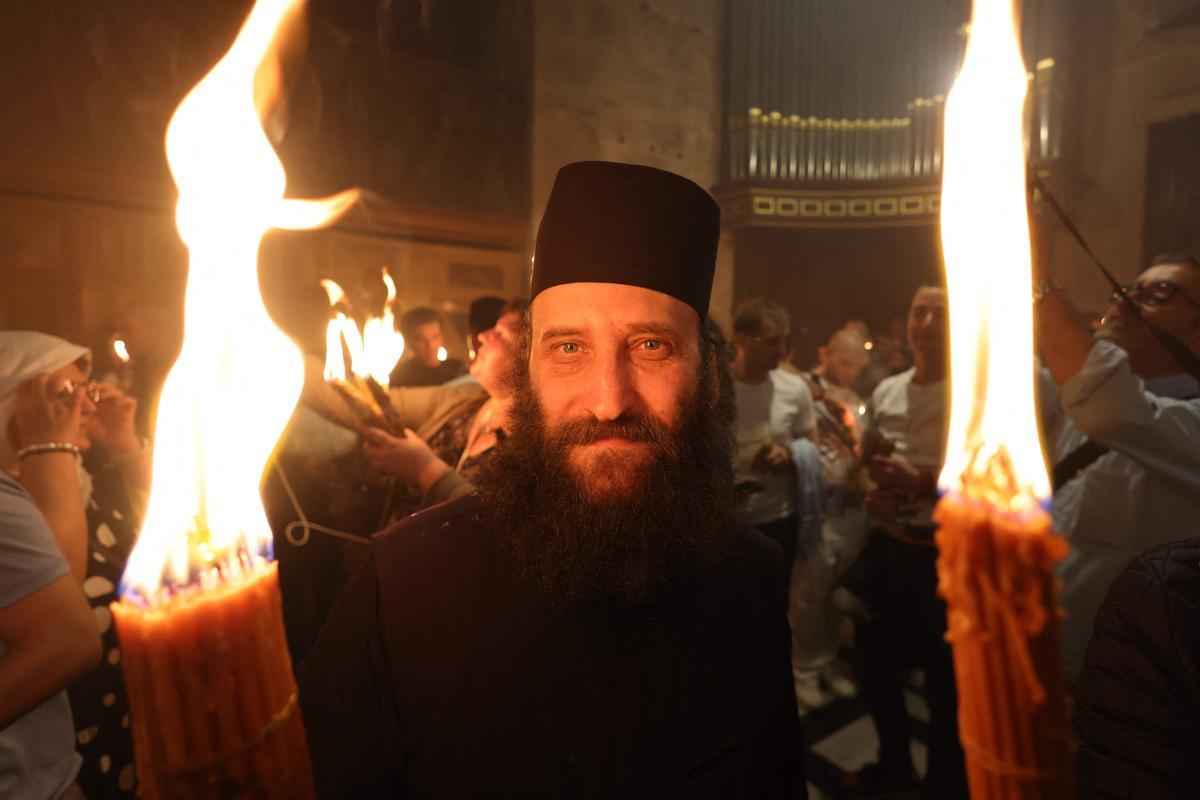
point(48, 636)
point(94, 514)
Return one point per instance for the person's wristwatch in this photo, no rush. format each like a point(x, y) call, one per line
point(1045, 287)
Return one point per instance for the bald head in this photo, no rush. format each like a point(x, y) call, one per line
point(844, 357)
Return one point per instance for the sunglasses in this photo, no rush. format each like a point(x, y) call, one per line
point(70, 388)
point(1152, 295)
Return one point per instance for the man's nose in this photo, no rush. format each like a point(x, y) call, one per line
point(612, 392)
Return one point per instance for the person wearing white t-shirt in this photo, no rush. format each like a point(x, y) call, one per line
point(903, 622)
point(774, 408)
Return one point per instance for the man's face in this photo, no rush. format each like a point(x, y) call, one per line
point(616, 475)
point(1173, 315)
point(427, 339)
point(762, 352)
point(927, 322)
point(604, 360)
point(495, 352)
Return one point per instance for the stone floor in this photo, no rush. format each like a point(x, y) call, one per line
point(840, 738)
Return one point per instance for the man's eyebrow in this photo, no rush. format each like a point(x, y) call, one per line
point(561, 331)
point(653, 327)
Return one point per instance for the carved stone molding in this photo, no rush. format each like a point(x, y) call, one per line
point(769, 206)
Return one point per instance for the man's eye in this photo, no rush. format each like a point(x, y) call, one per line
point(570, 348)
point(653, 347)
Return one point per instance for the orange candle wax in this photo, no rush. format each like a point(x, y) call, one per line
point(995, 571)
point(212, 698)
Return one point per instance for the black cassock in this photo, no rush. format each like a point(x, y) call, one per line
point(439, 674)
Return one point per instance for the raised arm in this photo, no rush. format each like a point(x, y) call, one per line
point(51, 476)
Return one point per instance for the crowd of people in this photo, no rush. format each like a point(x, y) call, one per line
point(622, 552)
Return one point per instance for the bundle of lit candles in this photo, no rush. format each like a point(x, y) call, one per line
point(996, 550)
point(372, 352)
point(212, 697)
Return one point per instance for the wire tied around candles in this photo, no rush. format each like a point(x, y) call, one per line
point(998, 766)
point(193, 768)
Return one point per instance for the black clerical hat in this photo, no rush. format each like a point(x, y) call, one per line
point(630, 224)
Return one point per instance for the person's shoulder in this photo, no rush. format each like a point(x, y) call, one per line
point(751, 552)
point(10, 487)
point(449, 530)
point(788, 380)
point(29, 557)
point(457, 392)
point(404, 372)
point(894, 383)
point(1173, 566)
point(790, 385)
point(461, 512)
point(16, 503)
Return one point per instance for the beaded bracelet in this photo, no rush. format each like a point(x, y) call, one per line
point(47, 447)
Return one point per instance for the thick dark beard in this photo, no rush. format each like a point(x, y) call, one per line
point(571, 546)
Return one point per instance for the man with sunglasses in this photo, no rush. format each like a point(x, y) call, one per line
point(1123, 427)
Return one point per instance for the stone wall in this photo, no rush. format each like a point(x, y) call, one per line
point(1129, 77)
point(628, 81)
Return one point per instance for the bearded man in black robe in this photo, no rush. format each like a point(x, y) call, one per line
point(593, 622)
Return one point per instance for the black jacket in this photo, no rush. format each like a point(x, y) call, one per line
point(439, 674)
point(1138, 695)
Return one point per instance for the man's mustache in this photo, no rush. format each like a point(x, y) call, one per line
point(638, 428)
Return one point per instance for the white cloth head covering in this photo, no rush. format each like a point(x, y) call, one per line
point(25, 355)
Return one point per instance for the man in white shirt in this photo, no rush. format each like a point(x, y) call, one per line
point(774, 414)
point(774, 408)
point(1123, 427)
point(902, 621)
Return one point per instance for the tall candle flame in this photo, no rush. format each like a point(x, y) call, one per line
point(232, 390)
point(993, 450)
